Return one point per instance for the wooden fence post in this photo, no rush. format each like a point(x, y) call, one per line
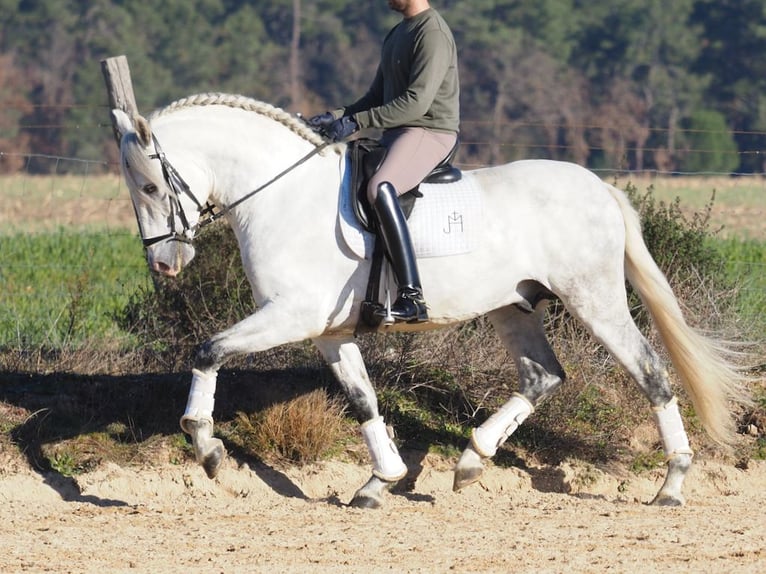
point(119, 88)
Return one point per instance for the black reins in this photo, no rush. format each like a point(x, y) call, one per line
point(179, 187)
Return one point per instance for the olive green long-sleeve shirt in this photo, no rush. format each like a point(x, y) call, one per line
point(416, 84)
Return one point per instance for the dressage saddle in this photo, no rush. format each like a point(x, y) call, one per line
point(366, 155)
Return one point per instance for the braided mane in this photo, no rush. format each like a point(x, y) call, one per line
point(244, 103)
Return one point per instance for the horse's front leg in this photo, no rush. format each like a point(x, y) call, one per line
point(345, 360)
point(197, 421)
point(267, 328)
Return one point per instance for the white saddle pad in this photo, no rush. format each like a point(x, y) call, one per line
point(445, 221)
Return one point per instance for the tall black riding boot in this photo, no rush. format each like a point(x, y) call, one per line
point(409, 305)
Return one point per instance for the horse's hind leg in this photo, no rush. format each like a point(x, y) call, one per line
point(611, 324)
point(345, 360)
point(539, 375)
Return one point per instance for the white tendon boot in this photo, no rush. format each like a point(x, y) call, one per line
point(496, 429)
point(201, 401)
point(486, 439)
point(386, 462)
point(671, 427)
point(197, 421)
point(678, 454)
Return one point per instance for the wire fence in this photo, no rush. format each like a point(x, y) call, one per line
point(483, 141)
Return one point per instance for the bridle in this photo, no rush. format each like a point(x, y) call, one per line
point(179, 187)
point(207, 213)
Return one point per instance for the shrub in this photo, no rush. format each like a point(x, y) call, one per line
point(678, 244)
point(211, 294)
point(682, 248)
point(302, 430)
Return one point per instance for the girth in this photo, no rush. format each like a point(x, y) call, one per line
point(366, 155)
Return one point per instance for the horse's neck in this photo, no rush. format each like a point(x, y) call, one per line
point(234, 160)
point(293, 219)
point(274, 175)
point(271, 189)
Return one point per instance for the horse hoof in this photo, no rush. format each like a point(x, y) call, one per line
point(465, 477)
point(364, 501)
point(468, 469)
point(371, 494)
point(214, 459)
point(667, 500)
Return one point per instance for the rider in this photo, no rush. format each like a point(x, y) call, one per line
point(414, 99)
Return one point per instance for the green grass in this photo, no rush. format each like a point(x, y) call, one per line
point(63, 288)
point(745, 266)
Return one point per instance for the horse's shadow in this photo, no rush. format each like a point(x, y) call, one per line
point(66, 406)
point(134, 408)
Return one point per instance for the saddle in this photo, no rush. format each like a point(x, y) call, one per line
point(366, 155)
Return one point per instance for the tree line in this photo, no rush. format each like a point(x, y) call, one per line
point(625, 84)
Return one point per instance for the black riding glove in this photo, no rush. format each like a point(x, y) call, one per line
point(321, 122)
point(341, 129)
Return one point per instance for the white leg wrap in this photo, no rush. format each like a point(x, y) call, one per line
point(497, 428)
point(671, 427)
point(201, 398)
point(386, 462)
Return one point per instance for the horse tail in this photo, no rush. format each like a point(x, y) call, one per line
point(704, 365)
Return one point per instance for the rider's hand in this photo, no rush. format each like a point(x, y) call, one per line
point(321, 122)
point(341, 129)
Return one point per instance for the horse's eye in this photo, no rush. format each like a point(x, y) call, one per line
point(149, 188)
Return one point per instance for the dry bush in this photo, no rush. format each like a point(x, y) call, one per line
point(180, 313)
point(460, 368)
point(433, 387)
point(302, 430)
point(94, 356)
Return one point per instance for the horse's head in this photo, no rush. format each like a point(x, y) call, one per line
point(166, 210)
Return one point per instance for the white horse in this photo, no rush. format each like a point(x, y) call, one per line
point(548, 228)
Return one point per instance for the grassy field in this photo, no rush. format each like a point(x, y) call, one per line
point(69, 259)
point(64, 287)
point(36, 203)
point(738, 207)
point(33, 204)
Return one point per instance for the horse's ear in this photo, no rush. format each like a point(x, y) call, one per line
point(143, 131)
point(121, 122)
point(139, 124)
